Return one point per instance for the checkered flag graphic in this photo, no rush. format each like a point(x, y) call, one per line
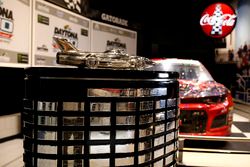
point(74, 4)
point(217, 27)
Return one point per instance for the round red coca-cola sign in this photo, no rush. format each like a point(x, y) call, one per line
point(218, 20)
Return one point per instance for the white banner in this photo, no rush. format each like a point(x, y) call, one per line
point(106, 37)
point(15, 28)
point(50, 20)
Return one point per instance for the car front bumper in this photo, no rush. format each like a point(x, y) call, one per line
point(206, 120)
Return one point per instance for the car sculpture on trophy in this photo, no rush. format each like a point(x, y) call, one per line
point(114, 58)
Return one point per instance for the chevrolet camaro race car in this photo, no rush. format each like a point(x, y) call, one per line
point(205, 105)
point(115, 58)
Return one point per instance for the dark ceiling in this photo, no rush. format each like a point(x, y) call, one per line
point(166, 27)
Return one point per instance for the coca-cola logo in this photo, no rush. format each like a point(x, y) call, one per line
point(218, 20)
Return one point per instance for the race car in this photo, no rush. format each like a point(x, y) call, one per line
point(206, 106)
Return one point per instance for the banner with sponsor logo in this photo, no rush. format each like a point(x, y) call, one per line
point(49, 21)
point(15, 27)
point(105, 37)
point(84, 8)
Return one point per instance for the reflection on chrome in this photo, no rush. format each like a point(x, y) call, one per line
point(103, 92)
point(176, 145)
point(73, 106)
point(176, 133)
point(100, 106)
point(159, 163)
point(46, 162)
point(170, 148)
point(146, 105)
point(143, 92)
point(145, 132)
point(159, 92)
point(146, 118)
point(47, 121)
point(126, 92)
point(73, 150)
point(28, 104)
point(176, 124)
point(171, 102)
point(160, 104)
point(125, 134)
point(99, 121)
point(27, 131)
point(159, 128)
point(73, 121)
point(178, 111)
point(73, 163)
point(99, 149)
point(144, 146)
point(144, 158)
point(129, 92)
point(157, 154)
point(125, 106)
point(124, 161)
point(170, 137)
point(97, 162)
point(100, 135)
point(158, 141)
point(46, 135)
point(125, 120)
point(124, 148)
point(171, 114)
point(169, 159)
point(170, 125)
point(130, 121)
point(73, 135)
point(160, 116)
point(45, 149)
point(46, 106)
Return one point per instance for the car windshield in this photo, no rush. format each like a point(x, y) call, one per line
point(187, 72)
point(192, 70)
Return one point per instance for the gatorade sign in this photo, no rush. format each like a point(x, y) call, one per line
point(218, 20)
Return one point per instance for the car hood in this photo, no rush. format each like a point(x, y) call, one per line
point(195, 89)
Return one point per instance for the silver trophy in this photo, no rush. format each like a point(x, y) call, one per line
point(114, 58)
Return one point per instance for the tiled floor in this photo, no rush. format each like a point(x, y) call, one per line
point(241, 126)
point(11, 151)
